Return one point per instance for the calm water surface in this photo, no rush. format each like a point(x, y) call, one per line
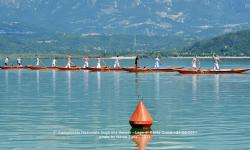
point(55, 109)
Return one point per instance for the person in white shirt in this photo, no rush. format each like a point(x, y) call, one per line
point(6, 61)
point(98, 62)
point(157, 62)
point(216, 62)
point(19, 61)
point(195, 61)
point(54, 62)
point(37, 61)
point(86, 62)
point(68, 65)
point(117, 64)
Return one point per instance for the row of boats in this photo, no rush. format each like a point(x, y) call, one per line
point(132, 69)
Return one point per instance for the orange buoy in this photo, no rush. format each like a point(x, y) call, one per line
point(141, 117)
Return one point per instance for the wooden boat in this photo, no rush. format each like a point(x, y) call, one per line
point(13, 67)
point(104, 69)
point(43, 68)
point(148, 70)
point(74, 68)
point(209, 71)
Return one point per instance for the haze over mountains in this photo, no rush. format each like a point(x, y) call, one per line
point(184, 20)
point(150, 17)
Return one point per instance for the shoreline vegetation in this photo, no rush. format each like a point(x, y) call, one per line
point(109, 55)
point(230, 45)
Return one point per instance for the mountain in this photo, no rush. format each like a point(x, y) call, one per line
point(33, 42)
point(231, 44)
point(184, 18)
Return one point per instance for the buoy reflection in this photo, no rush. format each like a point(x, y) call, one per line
point(141, 137)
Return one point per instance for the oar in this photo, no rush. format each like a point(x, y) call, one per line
point(41, 62)
point(104, 63)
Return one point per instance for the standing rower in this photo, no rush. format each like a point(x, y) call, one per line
point(117, 64)
point(98, 62)
point(157, 62)
point(37, 61)
point(54, 62)
point(6, 61)
point(19, 61)
point(69, 62)
point(136, 61)
point(195, 60)
point(86, 62)
point(216, 62)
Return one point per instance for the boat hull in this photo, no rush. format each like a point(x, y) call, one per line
point(69, 69)
point(142, 70)
point(105, 69)
point(43, 68)
point(207, 71)
point(13, 67)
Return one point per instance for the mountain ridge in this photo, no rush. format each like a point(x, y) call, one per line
point(188, 18)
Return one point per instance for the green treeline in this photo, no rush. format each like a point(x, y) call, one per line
point(230, 44)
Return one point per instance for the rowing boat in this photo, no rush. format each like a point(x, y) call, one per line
point(209, 71)
point(69, 69)
point(147, 70)
point(104, 69)
point(42, 68)
point(13, 67)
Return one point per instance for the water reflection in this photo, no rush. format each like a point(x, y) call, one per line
point(98, 81)
point(98, 74)
point(117, 83)
point(86, 82)
point(54, 81)
point(19, 74)
point(69, 83)
point(137, 85)
point(6, 80)
point(157, 88)
point(194, 87)
point(37, 82)
point(217, 86)
point(141, 138)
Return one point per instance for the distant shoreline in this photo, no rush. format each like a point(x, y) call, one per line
point(110, 55)
point(206, 57)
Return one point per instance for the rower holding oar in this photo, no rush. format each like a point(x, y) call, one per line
point(117, 64)
point(54, 62)
point(216, 59)
point(98, 62)
point(157, 63)
point(136, 61)
point(195, 61)
point(19, 61)
point(37, 61)
point(86, 62)
point(69, 62)
point(6, 61)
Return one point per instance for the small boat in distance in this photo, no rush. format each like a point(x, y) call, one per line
point(210, 71)
point(148, 70)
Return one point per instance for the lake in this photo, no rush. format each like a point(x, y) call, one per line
point(91, 110)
